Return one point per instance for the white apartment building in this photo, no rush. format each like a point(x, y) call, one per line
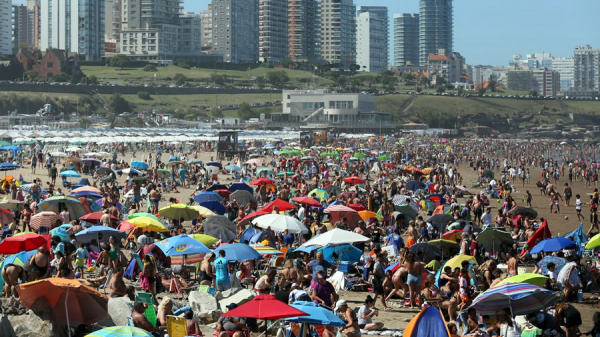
point(565, 66)
point(206, 17)
point(372, 43)
point(338, 32)
point(235, 30)
point(5, 27)
point(587, 69)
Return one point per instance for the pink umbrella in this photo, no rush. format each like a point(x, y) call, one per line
point(43, 219)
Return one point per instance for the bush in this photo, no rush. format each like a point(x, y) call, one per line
point(150, 67)
point(181, 63)
point(144, 95)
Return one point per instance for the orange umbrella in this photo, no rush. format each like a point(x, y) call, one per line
point(366, 215)
point(453, 235)
point(72, 301)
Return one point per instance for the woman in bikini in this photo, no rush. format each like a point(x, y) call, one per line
point(103, 260)
point(289, 273)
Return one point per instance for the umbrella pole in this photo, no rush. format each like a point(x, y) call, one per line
point(67, 313)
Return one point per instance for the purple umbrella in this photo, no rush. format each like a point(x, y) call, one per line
point(91, 160)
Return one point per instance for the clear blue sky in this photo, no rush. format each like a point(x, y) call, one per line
point(491, 32)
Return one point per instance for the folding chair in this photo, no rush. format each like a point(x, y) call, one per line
point(176, 326)
point(176, 286)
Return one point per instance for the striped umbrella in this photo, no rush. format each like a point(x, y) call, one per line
point(521, 298)
point(120, 331)
point(265, 250)
point(339, 208)
point(43, 219)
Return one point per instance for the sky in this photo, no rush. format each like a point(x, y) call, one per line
point(491, 32)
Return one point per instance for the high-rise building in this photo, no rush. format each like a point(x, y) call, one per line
point(406, 39)
point(5, 27)
point(112, 19)
point(20, 27)
point(587, 69)
point(74, 26)
point(565, 66)
point(546, 82)
point(304, 30)
point(272, 31)
point(338, 32)
point(435, 27)
point(235, 30)
point(33, 9)
point(206, 17)
point(372, 42)
point(190, 35)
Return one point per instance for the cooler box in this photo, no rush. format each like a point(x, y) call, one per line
point(345, 267)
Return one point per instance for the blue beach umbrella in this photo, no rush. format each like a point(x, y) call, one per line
point(214, 206)
point(140, 165)
point(238, 252)
point(207, 196)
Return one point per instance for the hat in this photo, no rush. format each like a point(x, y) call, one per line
point(319, 276)
point(340, 303)
point(294, 285)
point(231, 306)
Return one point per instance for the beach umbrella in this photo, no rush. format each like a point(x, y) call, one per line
point(524, 211)
point(129, 171)
point(189, 249)
point(221, 227)
point(265, 250)
point(492, 239)
point(345, 252)
point(454, 234)
point(241, 186)
point(94, 217)
point(429, 322)
point(99, 233)
point(179, 211)
point(307, 201)
point(238, 252)
point(282, 206)
point(215, 187)
point(521, 298)
point(531, 278)
point(8, 167)
point(86, 189)
point(203, 211)
point(140, 165)
point(384, 157)
point(367, 215)
point(124, 226)
point(148, 223)
point(242, 197)
point(329, 154)
point(357, 207)
point(87, 194)
point(214, 206)
point(552, 245)
point(43, 219)
point(207, 240)
point(120, 331)
point(61, 232)
point(72, 302)
point(332, 189)
point(214, 163)
point(339, 208)
point(594, 242)
point(446, 246)
point(104, 171)
point(335, 236)
point(289, 173)
point(317, 315)
point(27, 189)
point(322, 194)
point(430, 251)
point(19, 243)
point(163, 173)
point(559, 263)
point(58, 204)
point(262, 181)
point(143, 214)
point(264, 307)
point(280, 223)
point(6, 216)
point(488, 174)
point(194, 161)
point(12, 205)
point(143, 191)
point(207, 196)
point(233, 168)
point(354, 180)
point(248, 218)
point(358, 155)
point(70, 174)
point(456, 261)
point(414, 185)
point(19, 259)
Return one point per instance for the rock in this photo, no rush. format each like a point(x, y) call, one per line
point(119, 309)
point(11, 306)
point(205, 306)
point(6, 329)
point(240, 297)
point(220, 295)
point(31, 325)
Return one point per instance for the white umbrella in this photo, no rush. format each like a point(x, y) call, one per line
point(219, 226)
point(335, 237)
point(280, 223)
point(58, 154)
point(74, 149)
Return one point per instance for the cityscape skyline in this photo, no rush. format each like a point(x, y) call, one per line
point(549, 31)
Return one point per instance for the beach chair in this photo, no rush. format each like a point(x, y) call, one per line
point(176, 326)
point(176, 286)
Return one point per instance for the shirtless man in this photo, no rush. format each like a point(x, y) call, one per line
point(154, 200)
point(136, 198)
point(140, 320)
point(284, 193)
point(116, 286)
point(512, 263)
point(105, 219)
point(114, 211)
point(351, 329)
point(36, 191)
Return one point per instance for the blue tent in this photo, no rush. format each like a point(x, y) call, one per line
point(260, 237)
point(247, 235)
point(344, 252)
point(429, 322)
point(83, 182)
point(578, 236)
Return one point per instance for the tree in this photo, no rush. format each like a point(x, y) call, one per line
point(92, 79)
point(354, 68)
point(245, 111)
point(216, 112)
point(144, 95)
point(62, 77)
point(111, 119)
point(217, 79)
point(440, 90)
point(150, 67)
point(278, 78)
point(120, 60)
point(11, 71)
point(260, 81)
point(533, 93)
point(85, 123)
point(180, 79)
point(118, 104)
point(181, 63)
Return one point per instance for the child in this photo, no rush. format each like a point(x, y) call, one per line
point(578, 207)
point(551, 282)
point(464, 283)
point(81, 254)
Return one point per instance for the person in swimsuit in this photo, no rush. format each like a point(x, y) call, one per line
point(207, 270)
point(103, 260)
point(26, 217)
point(11, 274)
point(434, 295)
point(415, 270)
point(399, 281)
point(351, 329)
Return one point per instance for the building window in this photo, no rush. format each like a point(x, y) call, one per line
point(50, 64)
